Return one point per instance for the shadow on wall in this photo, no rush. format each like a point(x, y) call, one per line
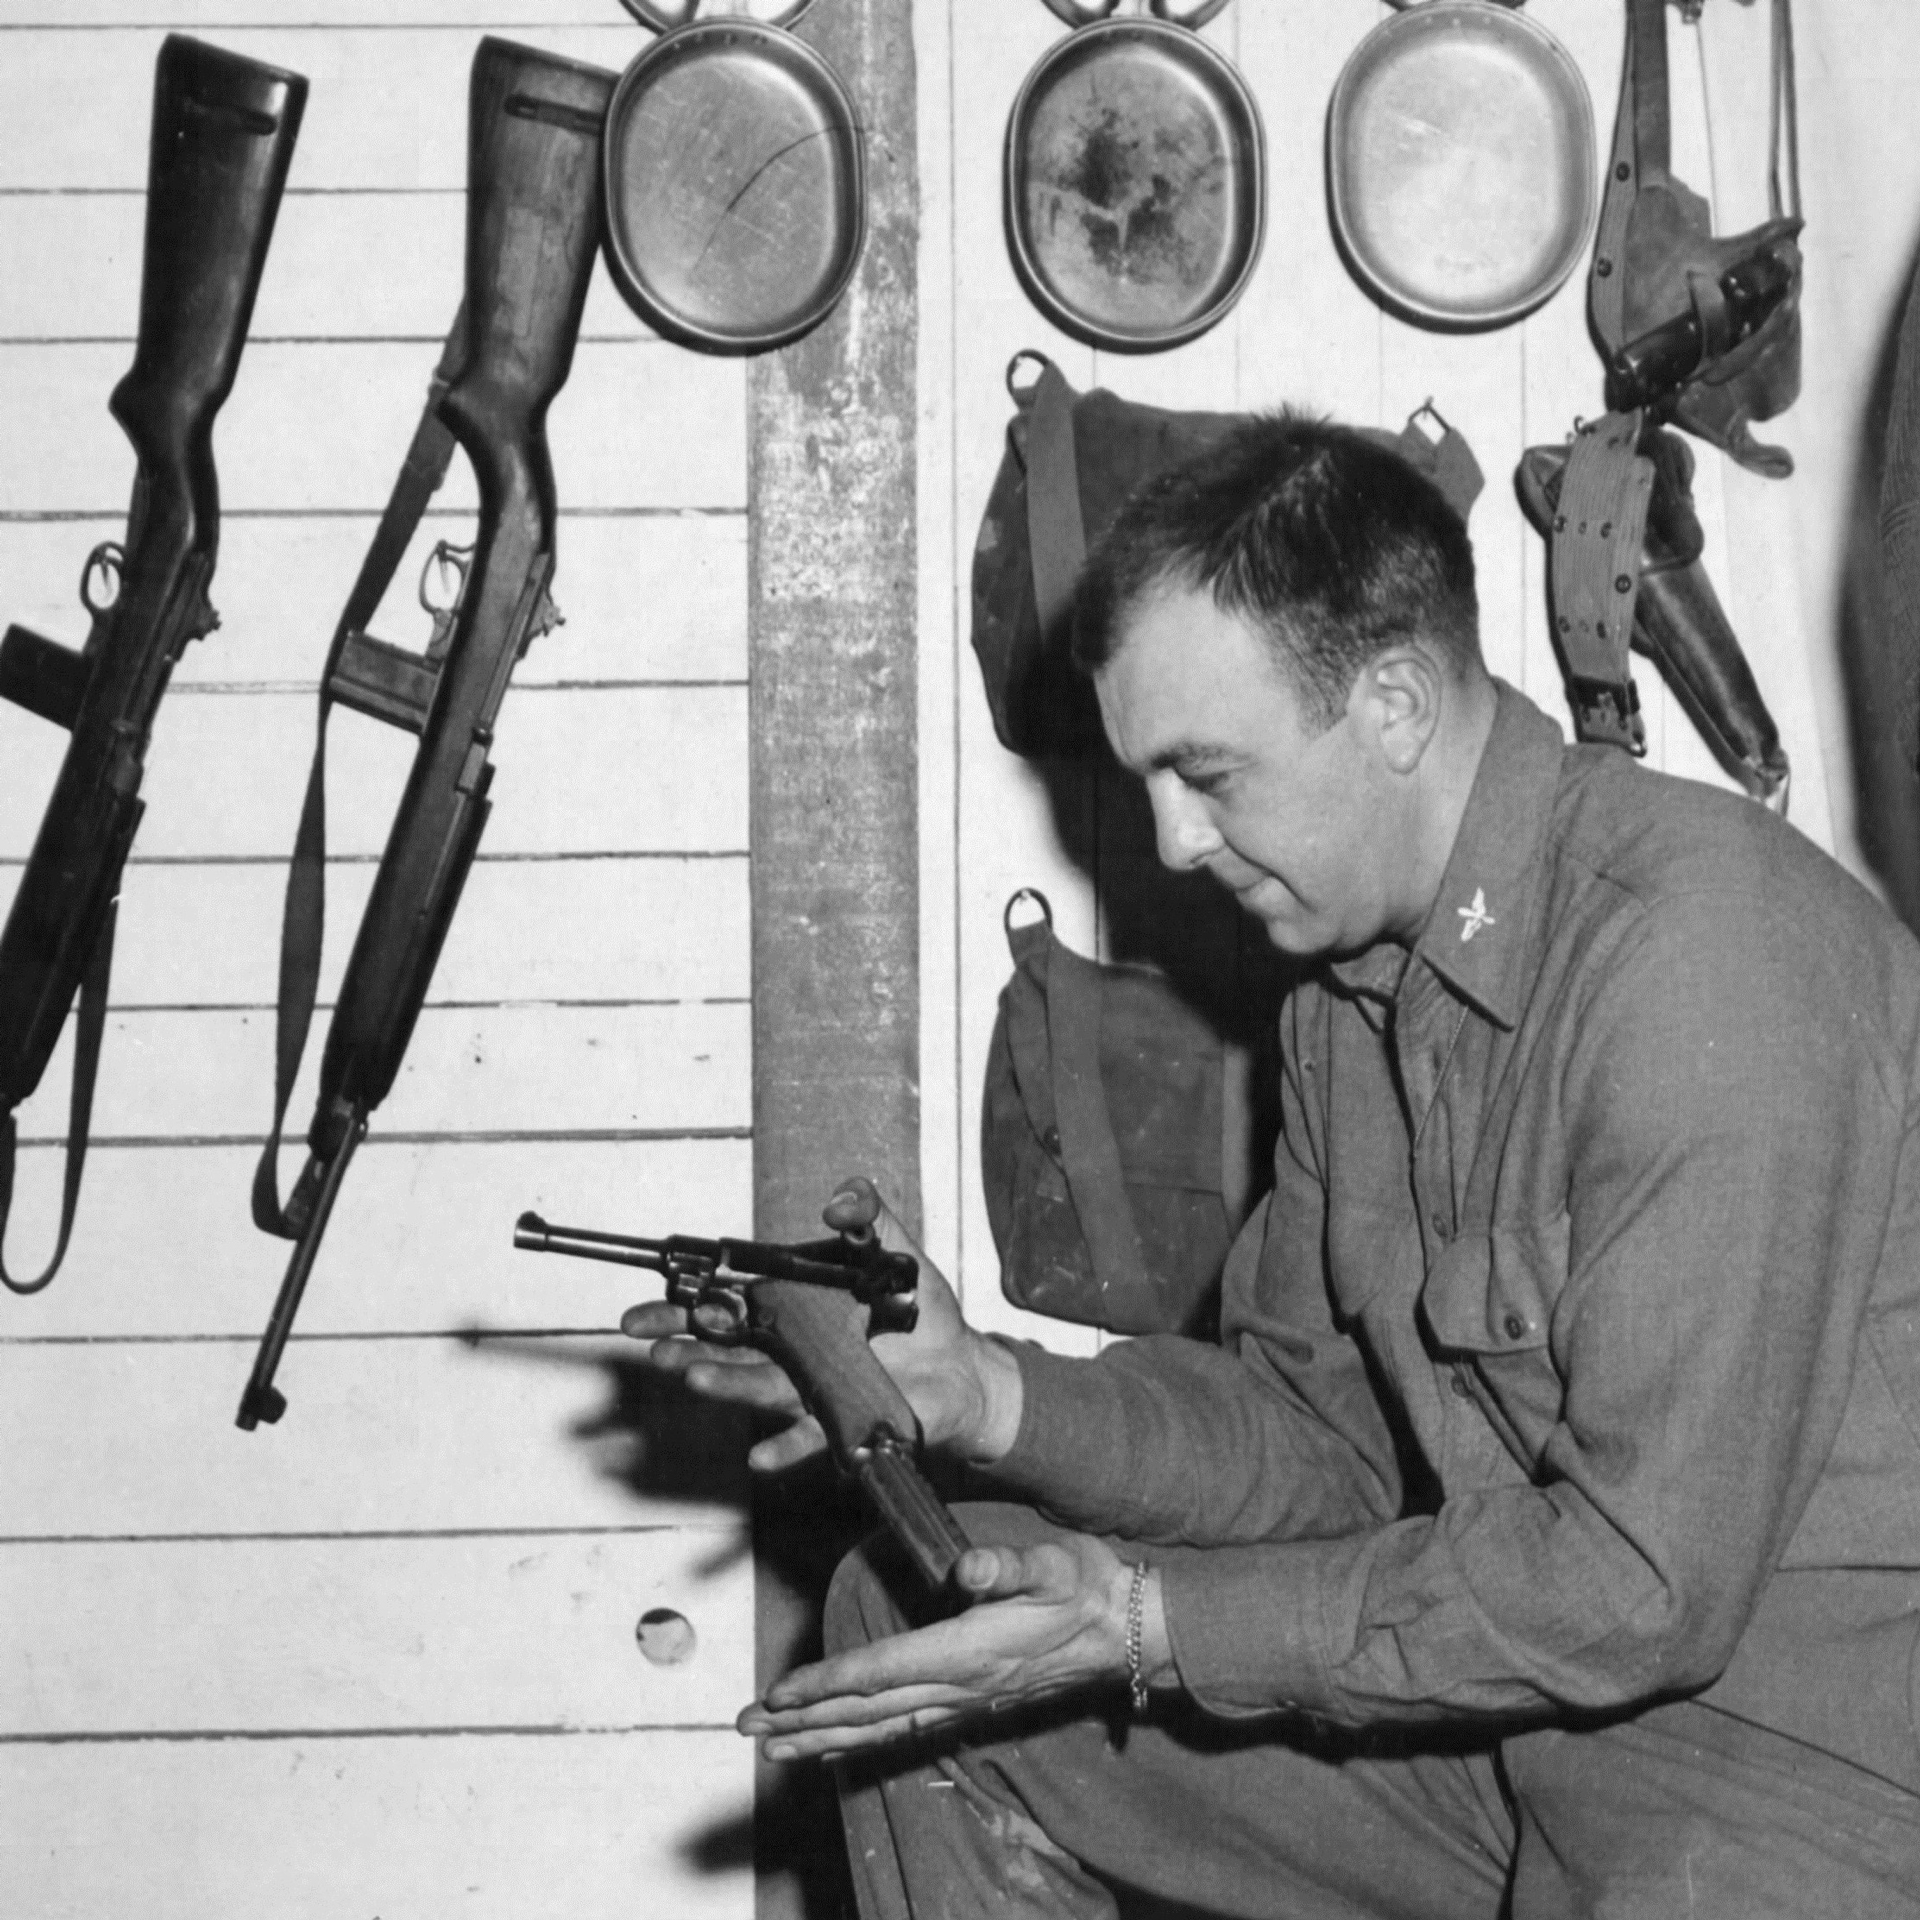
point(1880, 636)
point(1185, 924)
point(665, 1444)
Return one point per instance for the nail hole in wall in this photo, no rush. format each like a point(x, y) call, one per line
point(666, 1638)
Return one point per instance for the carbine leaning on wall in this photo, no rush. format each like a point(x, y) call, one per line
point(223, 134)
point(812, 1306)
point(533, 229)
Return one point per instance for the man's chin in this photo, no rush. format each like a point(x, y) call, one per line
point(1291, 941)
point(1301, 938)
point(1285, 931)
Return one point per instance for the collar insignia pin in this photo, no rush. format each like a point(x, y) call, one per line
point(1476, 916)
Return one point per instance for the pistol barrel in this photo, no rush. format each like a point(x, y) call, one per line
point(534, 1235)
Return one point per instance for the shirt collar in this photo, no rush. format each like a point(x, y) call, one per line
point(1477, 937)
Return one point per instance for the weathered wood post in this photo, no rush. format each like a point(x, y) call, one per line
point(835, 893)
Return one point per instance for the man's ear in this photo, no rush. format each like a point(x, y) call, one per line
point(1400, 693)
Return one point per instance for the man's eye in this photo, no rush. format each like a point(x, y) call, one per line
point(1206, 783)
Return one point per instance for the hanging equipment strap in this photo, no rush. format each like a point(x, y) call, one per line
point(1089, 1151)
point(1056, 534)
point(1642, 157)
point(1598, 527)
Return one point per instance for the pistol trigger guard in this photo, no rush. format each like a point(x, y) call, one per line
point(719, 1314)
point(106, 560)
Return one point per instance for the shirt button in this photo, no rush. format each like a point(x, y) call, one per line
point(1441, 1225)
point(1514, 1326)
point(1460, 1385)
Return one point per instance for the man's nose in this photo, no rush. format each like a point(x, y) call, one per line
point(1183, 828)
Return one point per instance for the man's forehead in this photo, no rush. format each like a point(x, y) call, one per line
point(1189, 682)
point(1181, 640)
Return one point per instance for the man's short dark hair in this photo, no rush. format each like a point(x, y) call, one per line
point(1328, 543)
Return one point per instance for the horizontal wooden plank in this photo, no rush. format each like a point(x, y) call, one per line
point(579, 770)
point(421, 1241)
point(618, 929)
point(356, 264)
point(488, 1070)
point(380, 1436)
point(201, 16)
point(515, 1631)
point(387, 106)
point(324, 426)
point(313, 1829)
point(643, 597)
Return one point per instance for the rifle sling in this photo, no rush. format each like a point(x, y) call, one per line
point(303, 920)
point(88, 1028)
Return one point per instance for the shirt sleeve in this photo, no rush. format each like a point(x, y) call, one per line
point(1274, 1433)
point(1733, 1132)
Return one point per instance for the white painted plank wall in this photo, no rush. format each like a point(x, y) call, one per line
point(381, 1658)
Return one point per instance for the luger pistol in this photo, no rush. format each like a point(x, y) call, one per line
point(811, 1306)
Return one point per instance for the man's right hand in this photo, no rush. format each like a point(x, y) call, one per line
point(964, 1388)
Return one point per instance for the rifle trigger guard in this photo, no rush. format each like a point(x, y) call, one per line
point(105, 561)
point(446, 564)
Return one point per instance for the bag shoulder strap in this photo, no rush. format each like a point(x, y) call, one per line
point(1056, 535)
point(1089, 1153)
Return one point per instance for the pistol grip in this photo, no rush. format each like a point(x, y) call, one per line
point(819, 1334)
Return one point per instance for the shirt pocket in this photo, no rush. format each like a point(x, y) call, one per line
point(1492, 1294)
point(1488, 1305)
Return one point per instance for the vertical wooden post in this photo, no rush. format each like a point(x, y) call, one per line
point(834, 838)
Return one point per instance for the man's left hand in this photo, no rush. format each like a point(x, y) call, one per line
point(1046, 1619)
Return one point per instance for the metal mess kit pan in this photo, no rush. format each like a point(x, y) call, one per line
point(1135, 178)
point(735, 178)
point(1461, 171)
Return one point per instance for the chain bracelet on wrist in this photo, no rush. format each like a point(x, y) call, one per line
point(1136, 1624)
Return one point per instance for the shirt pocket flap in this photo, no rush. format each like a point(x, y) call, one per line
point(1494, 1292)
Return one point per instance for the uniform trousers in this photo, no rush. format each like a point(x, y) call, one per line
point(1080, 1812)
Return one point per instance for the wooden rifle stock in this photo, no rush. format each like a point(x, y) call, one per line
point(223, 135)
point(533, 229)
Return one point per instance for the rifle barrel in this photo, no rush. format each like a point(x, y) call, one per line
point(262, 1400)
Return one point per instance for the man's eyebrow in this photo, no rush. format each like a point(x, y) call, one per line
point(1190, 755)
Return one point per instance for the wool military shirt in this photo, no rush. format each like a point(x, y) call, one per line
point(1573, 1362)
